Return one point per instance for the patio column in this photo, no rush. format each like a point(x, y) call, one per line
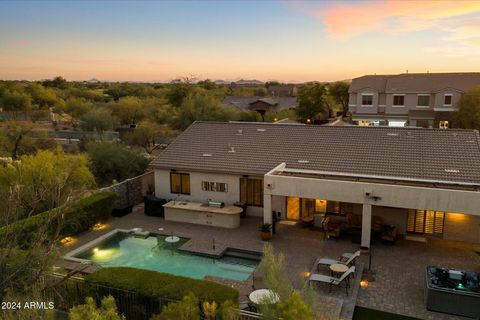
point(366, 225)
point(267, 208)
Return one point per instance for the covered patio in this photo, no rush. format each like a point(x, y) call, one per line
point(441, 206)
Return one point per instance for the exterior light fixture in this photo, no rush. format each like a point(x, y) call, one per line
point(364, 283)
point(67, 240)
point(95, 250)
point(99, 226)
point(308, 120)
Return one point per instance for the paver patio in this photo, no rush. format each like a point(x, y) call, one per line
point(399, 268)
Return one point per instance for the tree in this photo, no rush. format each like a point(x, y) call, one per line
point(107, 311)
point(178, 91)
point(98, 119)
point(115, 161)
point(311, 102)
point(15, 101)
point(200, 105)
point(128, 109)
point(57, 82)
point(20, 138)
point(467, 115)
point(47, 179)
point(77, 107)
point(145, 134)
point(43, 97)
point(339, 91)
point(45, 182)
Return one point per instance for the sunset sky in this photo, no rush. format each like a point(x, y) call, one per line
point(265, 40)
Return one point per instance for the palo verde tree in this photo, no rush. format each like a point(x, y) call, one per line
point(46, 182)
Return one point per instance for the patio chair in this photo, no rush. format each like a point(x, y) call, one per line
point(333, 281)
point(346, 259)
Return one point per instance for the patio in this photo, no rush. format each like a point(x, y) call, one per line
point(399, 269)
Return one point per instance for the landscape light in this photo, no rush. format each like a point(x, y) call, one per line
point(95, 250)
point(67, 240)
point(98, 226)
point(364, 283)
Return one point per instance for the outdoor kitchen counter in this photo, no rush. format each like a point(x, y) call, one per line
point(199, 213)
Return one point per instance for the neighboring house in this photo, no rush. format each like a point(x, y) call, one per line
point(418, 100)
point(282, 90)
point(261, 103)
point(424, 181)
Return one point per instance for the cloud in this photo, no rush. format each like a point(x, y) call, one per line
point(350, 19)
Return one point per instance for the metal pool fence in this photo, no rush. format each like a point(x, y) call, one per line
point(67, 293)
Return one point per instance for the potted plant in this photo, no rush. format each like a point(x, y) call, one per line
point(265, 231)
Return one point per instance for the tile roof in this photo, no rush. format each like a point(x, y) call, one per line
point(244, 103)
point(417, 82)
point(414, 153)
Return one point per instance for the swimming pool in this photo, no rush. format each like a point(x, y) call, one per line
point(123, 249)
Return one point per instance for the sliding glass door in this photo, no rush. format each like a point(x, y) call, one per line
point(301, 207)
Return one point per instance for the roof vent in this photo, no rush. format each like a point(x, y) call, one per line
point(207, 155)
point(452, 170)
point(232, 150)
point(393, 134)
point(261, 129)
point(303, 161)
point(239, 132)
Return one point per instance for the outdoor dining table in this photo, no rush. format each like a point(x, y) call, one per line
point(261, 296)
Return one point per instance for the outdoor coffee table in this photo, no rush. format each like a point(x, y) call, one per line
point(262, 295)
point(338, 268)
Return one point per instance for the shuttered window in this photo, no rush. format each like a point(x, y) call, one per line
point(425, 221)
point(251, 191)
point(179, 183)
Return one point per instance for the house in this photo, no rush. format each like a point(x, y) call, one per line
point(282, 90)
point(261, 103)
point(424, 181)
point(418, 100)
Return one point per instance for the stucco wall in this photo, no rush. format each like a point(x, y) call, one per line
point(462, 227)
point(162, 189)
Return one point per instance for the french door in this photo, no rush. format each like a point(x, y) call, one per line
point(425, 222)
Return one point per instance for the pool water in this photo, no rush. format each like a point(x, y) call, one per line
point(153, 253)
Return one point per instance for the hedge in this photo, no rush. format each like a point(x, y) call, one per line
point(157, 284)
point(79, 217)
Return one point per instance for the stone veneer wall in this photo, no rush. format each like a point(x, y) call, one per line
point(131, 191)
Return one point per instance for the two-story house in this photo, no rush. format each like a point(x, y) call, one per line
point(409, 99)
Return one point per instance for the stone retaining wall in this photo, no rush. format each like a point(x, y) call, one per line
point(131, 191)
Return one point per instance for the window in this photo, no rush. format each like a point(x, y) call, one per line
point(251, 191)
point(398, 100)
point(448, 100)
point(423, 101)
point(214, 186)
point(179, 183)
point(367, 99)
point(443, 124)
point(425, 222)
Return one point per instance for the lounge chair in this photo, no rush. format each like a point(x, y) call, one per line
point(346, 259)
point(333, 281)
